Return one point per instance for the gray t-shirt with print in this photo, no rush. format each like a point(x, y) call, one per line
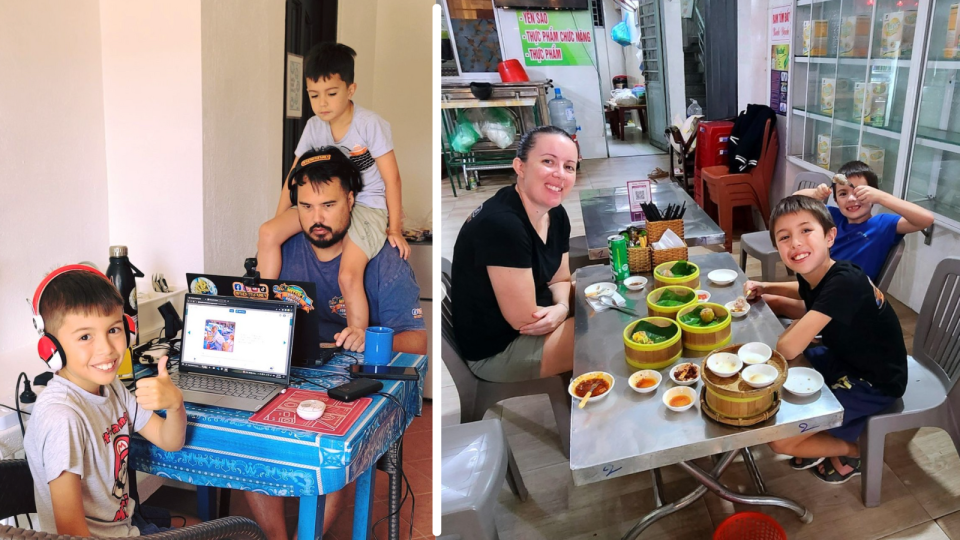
point(367, 139)
point(72, 430)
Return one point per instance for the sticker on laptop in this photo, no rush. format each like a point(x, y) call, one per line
point(202, 285)
point(259, 292)
point(293, 294)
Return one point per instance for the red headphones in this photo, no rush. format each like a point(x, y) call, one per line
point(48, 347)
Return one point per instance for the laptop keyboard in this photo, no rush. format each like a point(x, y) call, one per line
point(224, 387)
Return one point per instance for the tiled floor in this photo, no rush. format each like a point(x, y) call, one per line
point(921, 482)
point(417, 465)
point(635, 143)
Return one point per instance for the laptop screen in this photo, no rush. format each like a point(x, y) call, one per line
point(249, 339)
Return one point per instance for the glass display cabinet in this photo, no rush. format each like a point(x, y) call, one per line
point(933, 177)
point(874, 80)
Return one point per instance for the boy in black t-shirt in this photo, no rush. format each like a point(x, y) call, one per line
point(862, 358)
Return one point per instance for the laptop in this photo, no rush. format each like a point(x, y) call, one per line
point(235, 352)
point(306, 334)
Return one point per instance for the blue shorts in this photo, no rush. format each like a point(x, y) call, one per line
point(151, 520)
point(860, 400)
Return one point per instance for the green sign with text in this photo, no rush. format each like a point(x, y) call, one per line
point(556, 38)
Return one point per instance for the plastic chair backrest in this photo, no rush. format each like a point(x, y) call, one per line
point(463, 378)
point(889, 267)
point(768, 158)
point(937, 337)
point(808, 180)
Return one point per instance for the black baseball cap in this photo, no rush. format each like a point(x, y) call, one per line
point(330, 162)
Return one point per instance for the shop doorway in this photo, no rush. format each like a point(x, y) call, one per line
point(630, 130)
point(308, 22)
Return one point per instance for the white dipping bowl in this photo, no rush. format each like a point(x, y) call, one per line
point(724, 364)
point(736, 314)
point(676, 391)
point(645, 373)
point(755, 353)
point(803, 381)
point(702, 295)
point(760, 375)
point(691, 382)
point(635, 283)
point(598, 288)
point(591, 375)
point(722, 276)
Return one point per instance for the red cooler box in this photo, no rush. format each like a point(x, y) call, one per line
point(712, 140)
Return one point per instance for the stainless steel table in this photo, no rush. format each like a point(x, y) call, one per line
point(607, 211)
point(629, 432)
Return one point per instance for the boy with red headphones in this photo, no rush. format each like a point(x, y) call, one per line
point(79, 434)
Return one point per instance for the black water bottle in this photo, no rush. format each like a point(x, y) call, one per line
point(123, 275)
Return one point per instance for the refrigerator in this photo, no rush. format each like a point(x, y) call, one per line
point(421, 260)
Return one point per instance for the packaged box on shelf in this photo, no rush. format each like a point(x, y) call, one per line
point(815, 38)
point(870, 102)
point(829, 152)
point(873, 157)
point(896, 40)
point(950, 48)
point(836, 95)
point(854, 35)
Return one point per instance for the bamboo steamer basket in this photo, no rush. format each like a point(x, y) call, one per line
point(692, 281)
point(731, 401)
point(669, 312)
point(701, 339)
point(657, 355)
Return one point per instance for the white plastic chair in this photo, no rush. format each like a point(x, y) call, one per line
point(932, 397)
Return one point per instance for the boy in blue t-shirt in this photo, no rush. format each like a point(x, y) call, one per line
point(862, 238)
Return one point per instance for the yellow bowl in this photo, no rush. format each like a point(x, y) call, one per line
point(721, 330)
point(668, 311)
point(655, 355)
point(692, 281)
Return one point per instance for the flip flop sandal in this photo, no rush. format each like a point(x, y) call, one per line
point(658, 173)
point(805, 463)
point(830, 474)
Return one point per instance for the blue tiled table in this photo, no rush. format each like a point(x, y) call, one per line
point(225, 450)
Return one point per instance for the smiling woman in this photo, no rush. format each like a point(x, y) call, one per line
point(511, 277)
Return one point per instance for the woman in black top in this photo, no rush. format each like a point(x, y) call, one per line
point(510, 274)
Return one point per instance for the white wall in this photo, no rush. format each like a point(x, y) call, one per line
point(610, 54)
point(673, 59)
point(53, 172)
point(111, 134)
point(579, 84)
point(394, 77)
point(242, 127)
point(154, 137)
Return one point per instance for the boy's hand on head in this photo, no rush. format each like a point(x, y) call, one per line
point(159, 393)
point(869, 195)
point(823, 192)
point(398, 241)
point(351, 338)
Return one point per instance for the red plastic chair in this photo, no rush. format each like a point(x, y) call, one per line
point(729, 190)
point(749, 526)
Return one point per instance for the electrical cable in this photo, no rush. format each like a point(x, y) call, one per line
point(397, 467)
point(29, 521)
point(16, 394)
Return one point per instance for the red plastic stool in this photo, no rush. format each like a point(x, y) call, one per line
point(749, 526)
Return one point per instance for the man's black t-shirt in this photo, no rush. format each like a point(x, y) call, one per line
point(864, 333)
point(499, 233)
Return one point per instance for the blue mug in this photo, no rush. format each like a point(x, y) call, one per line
point(378, 348)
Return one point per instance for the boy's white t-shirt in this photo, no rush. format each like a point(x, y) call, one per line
point(75, 431)
point(367, 139)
